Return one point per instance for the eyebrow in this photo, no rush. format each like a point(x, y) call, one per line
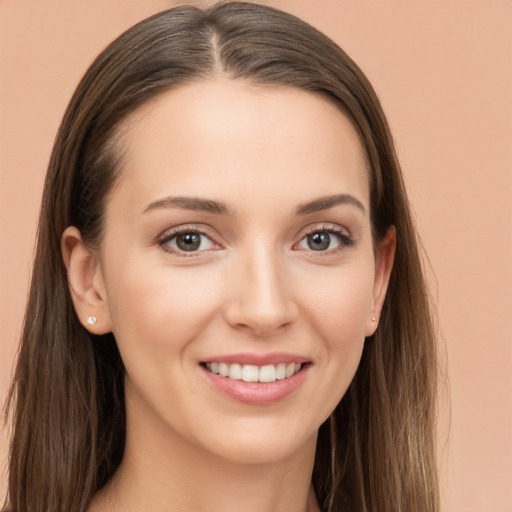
point(190, 203)
point(220, 208)
point(326, 202)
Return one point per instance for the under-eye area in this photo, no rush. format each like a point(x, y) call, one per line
point(233, 309)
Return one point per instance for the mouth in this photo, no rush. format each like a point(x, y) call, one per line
point(253, 373)
point(256, 379)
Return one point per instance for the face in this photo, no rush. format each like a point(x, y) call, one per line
point(237, 270)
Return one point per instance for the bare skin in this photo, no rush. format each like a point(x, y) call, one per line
point(269, 189)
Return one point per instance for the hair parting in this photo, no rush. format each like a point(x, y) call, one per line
point(376, 453)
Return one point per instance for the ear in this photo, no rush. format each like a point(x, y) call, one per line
point(86, 284)
point(384, 257)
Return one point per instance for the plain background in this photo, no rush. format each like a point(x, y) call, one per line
point(443, 70)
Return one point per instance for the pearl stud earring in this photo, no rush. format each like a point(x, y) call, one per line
point(91, 320)
point(374, 319)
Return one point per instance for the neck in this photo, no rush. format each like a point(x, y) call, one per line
point(162, 472)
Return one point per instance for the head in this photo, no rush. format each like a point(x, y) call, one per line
point(362, 447)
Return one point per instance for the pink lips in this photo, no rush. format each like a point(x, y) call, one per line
point(257, 393)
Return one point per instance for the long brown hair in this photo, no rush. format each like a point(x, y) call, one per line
point(376, 452)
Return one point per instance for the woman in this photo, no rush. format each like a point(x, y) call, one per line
point(227, 306)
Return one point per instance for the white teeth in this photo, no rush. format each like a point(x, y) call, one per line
point(235, 371)
point(253, 373)
point(250, 373)
point(281, 371)
point(268, 373)
point(223, 369)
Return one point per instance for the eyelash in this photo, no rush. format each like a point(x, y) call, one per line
point(167, 237)
point(344, 239)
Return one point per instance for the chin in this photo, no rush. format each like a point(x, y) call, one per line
point(255, 444)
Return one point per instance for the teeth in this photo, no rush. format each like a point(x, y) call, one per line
point(281, 371)
point(223, 369)
point(253, 373)
point(268, 373)
point(235, 371)
point(250, 373)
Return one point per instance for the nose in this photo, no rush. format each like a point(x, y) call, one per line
point(260, 294)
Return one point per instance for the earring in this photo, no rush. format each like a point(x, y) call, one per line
point(374, 319)
point(91, 320)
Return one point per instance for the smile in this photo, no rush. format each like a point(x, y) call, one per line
point(254, 373)
point(257, 379)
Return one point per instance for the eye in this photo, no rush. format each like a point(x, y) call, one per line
point(187, 241)
point(325, 239)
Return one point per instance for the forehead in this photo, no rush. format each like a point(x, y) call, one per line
point(230, 136)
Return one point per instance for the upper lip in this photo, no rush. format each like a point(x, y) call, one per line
point(258, 359)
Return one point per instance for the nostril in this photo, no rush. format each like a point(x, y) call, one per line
point(258, 322)
point(260, 299)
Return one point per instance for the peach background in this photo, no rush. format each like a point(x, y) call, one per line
point(444, 73)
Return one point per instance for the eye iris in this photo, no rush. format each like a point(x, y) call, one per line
point(319, 241)
point(188, 241)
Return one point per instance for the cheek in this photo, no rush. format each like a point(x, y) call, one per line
point(339, 301)
point(159, 307)
point(340, 304)
point(158, 314)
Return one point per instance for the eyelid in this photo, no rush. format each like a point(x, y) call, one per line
point(163, 239)
point(344, 235)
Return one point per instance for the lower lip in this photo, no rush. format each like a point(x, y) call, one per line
point(257, 393)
